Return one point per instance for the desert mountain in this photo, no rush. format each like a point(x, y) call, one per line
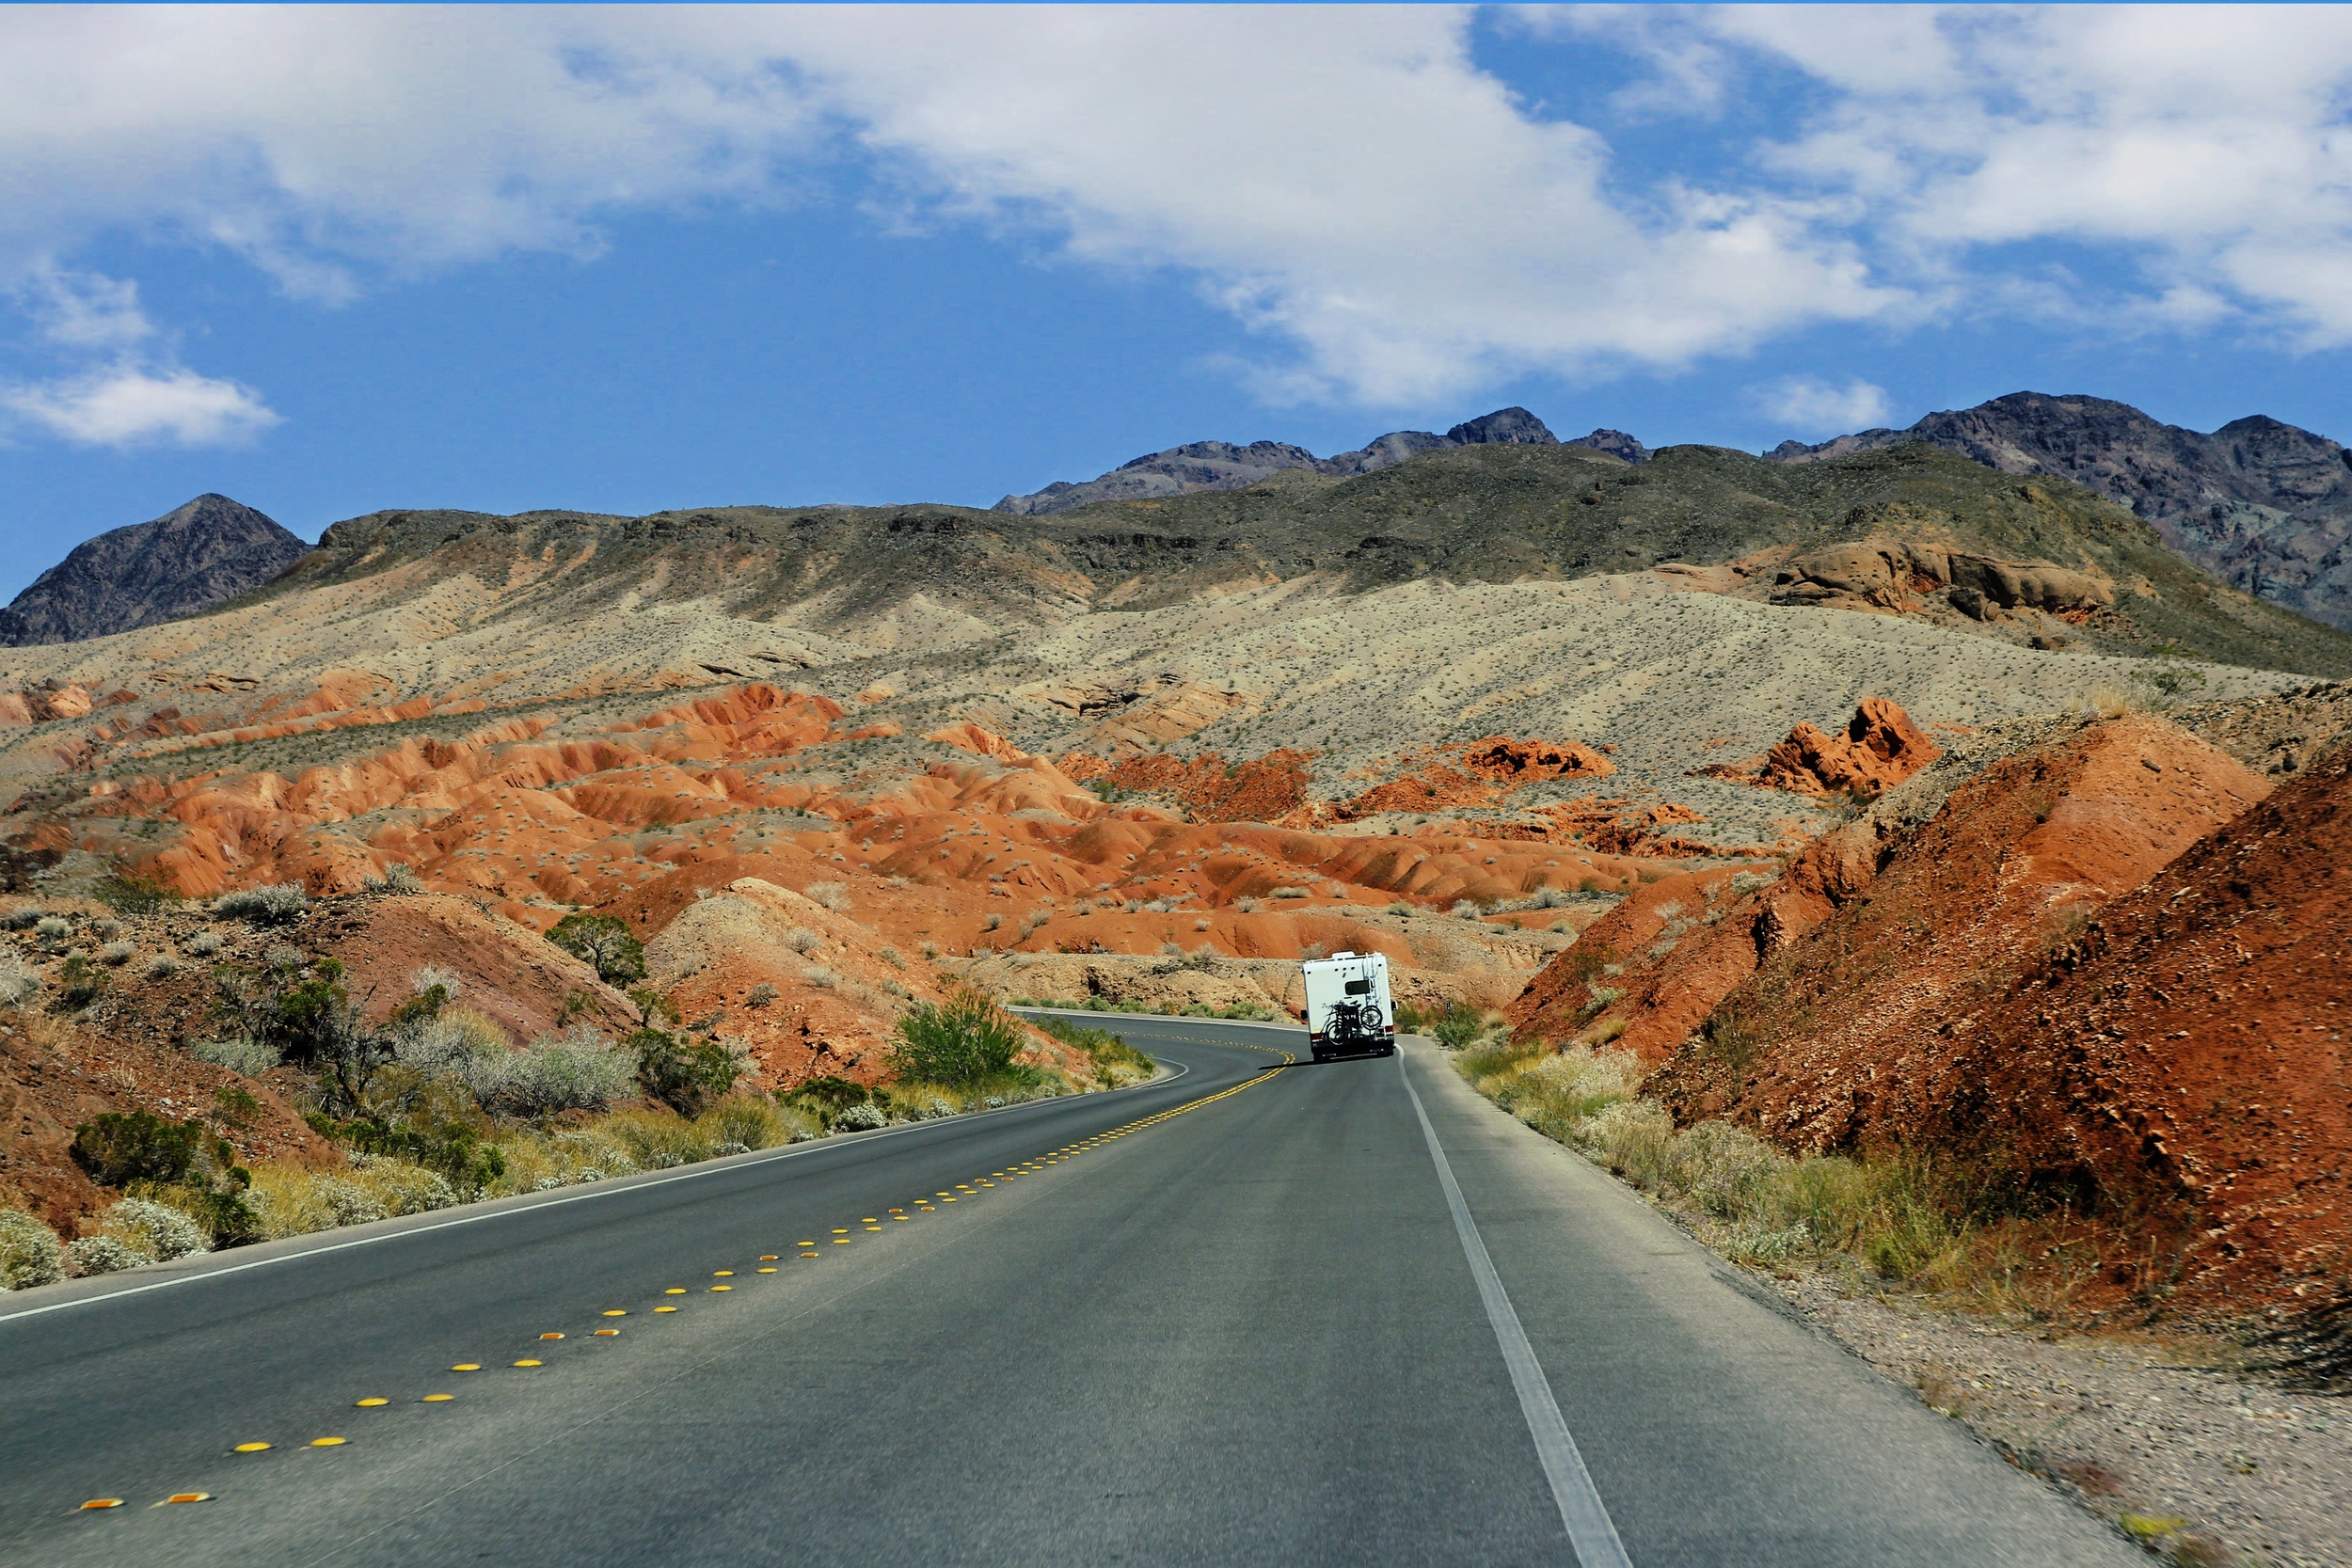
point(2262, 504)
point(187, 559)
point(1222, 465)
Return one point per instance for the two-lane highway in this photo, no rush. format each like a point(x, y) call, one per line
point(1232, 1317)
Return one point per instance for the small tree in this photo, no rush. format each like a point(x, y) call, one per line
point(604, 942)
point(960, 1041)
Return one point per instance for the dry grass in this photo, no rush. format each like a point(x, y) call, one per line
point(1891, 1217)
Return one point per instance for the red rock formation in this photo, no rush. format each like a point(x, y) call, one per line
point(1881, 748)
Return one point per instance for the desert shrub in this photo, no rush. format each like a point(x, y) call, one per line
point(891, 957)
point(80, 982)
point(158, 1230)
point(1115, 1061)
point(761, 995)
point(604, 942)
point(752, 1121)
point(832, 896)
point(30, 1253)
point(446, 1039)
point(238, 1055)
point(103, 1254)
point(960, 1041)
point(830, 1094)
point(1633, 1137)
point(1460, 1025)
point(1287, 893)
point(115, 954)
point(24, 917)
point(19, 981)
point(578, 1070)
point(823, 979)
point(859, 1119)
point(121, 1146)
point(397, 878)
point(280, 904)
point(130, 893)
point(653, 1140)
point(802, 941)
point(163, 966)
point(682, 1073)
point(1722, 1168)
point(53, 928)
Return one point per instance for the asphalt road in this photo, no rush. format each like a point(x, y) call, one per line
point(1230, 1318)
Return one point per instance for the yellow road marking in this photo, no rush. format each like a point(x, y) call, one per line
point(328, 1442)
point(250, 1447)
point(186, 1497)
point(436, 1399)
point(665, 1308)
point(466, 1367)
point(369, 1404)
point(104, 1502)
point(618, 1312)
point(530, 1363)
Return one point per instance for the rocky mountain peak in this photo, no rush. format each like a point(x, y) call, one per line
point(189, 559)
point(1224, 465)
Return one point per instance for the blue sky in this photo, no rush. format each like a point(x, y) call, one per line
point(327, 260)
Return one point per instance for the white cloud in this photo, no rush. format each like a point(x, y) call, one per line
point(1815, 406)
point(2208, 146)
point(84, 311)
point(1346, 181)
point(124, 405)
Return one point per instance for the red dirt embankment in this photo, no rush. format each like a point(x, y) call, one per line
point(1810, 1048)
point(2107, 963)
point(2188, 1046)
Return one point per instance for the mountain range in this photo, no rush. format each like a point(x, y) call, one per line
point(2260, 503)
point(185, 561)
point(1222, 465)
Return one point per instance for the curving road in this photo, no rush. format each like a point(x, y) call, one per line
point(1345, 1314)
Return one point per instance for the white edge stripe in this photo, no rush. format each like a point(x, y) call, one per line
point(1590, 1530)
point(600, 1189)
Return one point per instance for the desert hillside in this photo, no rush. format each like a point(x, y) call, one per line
point(1641, 754)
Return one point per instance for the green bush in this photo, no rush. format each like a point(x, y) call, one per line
point(682, 1073)
point(1461, 1024)
point(80, 982)
point(121, 1147)
point(958, 1042)
point(605, 944)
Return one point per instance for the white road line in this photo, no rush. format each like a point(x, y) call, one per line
point(603, 1189)
point(1590, 1531)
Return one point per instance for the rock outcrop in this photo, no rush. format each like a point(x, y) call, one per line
point(187, 559)
point(1897, 575)
point(1222, 465)
point(1879, 749)
point(2259, 502)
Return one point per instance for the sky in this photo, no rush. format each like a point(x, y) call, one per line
point(327, 261)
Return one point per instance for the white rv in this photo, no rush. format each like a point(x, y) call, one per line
point(1348, 1011)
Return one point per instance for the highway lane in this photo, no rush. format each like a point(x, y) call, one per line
point(1246, 1330)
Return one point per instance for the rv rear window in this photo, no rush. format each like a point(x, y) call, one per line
point(1359, 987)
